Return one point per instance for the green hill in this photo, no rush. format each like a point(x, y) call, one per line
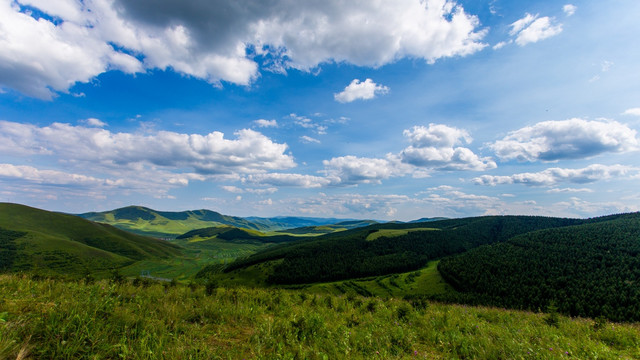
point(167, 224)
point(328, 228)
point(145, 221)
point(49, 242)
point(382, 249)
point(587, 270)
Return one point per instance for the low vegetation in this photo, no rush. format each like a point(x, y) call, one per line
point(109, 319)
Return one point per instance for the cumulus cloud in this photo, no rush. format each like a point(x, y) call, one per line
point(569, 9)
point(436, 147)
point(219, 40)
point(531, 29)
point(565, 139)
point(360, 91)
point(351, 170)
point(207, 154)
point(552, 176)
point(265, 123)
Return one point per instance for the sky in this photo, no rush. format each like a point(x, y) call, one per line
point(386, 110)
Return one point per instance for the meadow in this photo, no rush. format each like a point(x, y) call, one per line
point(139, 319)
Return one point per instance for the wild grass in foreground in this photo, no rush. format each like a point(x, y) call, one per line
point(49, 319)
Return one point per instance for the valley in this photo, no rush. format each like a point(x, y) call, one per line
point(563, 273)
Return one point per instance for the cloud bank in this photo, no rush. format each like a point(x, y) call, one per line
point(49, 46)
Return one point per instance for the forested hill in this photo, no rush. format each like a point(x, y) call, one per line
point(386, 248)
point(587, 270)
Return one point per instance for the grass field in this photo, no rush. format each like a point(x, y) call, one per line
point(197, 254)
point(51, 319)
point(395, 232)
point(423, 282)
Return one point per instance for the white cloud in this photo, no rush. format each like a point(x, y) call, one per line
point(307, 123)
point(566, 139)
point(94, 122)
point(569, 9)
point(351, 170)
point(53, 177)
point(569, 190)
point(500, 45)
point(552, 176)
point(92, 37)
point(531, 29)
point(355, 205)
point(309, 139)
point(232, 189)
point(632, 111)
point(521, 24)
point(283, 179)
point(435, 147)
point(266, 123)
point(206, 154)
point(360, 91)
point(264, 191)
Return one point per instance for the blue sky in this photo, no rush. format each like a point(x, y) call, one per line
point(365, 109)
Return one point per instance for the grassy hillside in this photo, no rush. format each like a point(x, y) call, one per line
point(141, 220)
point(49, 242)
point(48, 319)
point(586, 270)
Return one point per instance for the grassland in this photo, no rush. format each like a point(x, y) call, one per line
point(419, 283)
point(197, 253)
point(50, 319)
point(54, 243)
point(390, 233)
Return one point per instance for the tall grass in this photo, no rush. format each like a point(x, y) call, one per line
point(50, 319)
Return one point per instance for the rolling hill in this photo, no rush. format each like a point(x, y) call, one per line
point(585, 270)
point(168, 224)
point(388, 248)
point(47, 242)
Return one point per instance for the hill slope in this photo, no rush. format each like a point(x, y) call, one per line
point(145, 221)
point(39, 240)
point(586, 270)
point(142, 220)
point(392, 248)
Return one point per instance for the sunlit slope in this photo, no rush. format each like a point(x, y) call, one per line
point(147, 221)
point(55, 242)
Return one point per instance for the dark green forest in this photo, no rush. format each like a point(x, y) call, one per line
point(587, 270)
point(8, 248)
point(349, 254)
